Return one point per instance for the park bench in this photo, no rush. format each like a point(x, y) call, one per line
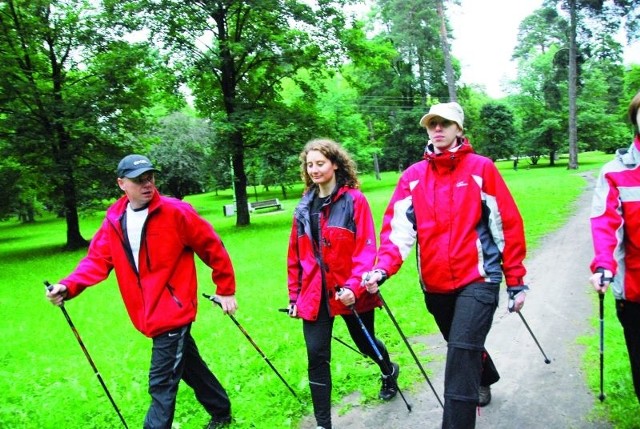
point(264, 204)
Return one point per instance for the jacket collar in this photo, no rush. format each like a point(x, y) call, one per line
point(449, 158)
point(117, 210)
point(630, 156)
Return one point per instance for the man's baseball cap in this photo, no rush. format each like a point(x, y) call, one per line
point(134, 165)
point(451, 111)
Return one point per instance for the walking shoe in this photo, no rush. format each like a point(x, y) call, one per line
point(218, 422)
point(484, 396)
point(389, 387)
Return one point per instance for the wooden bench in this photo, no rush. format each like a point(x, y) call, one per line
point(265, 204)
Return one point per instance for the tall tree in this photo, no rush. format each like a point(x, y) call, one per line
point(579, 13)
point(182, 153)
point(236, 54)
point(413, 27)
point(401, 78)
point(72, 94)
point(496, 131)
point(444, 40)
point(573, 91)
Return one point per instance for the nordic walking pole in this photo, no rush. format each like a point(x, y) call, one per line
point(546, 359)
point(246, 334)
point(601, 304)
point(404, 338)
point(601, 299)
point(86, 353)
point(348, 346)
point(286, 310)
point(375, 349)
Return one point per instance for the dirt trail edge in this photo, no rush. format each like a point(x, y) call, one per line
point(530, 394)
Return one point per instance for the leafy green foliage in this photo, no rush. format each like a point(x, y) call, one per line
point(73, 94)
point(496, 131)
point(183, 154)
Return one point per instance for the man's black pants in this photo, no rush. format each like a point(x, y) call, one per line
point(175, 357)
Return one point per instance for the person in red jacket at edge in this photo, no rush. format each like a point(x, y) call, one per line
point(457, 207)
point(150, 241)
point(332, 241)
point(615, 230)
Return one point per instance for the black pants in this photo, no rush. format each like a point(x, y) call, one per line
point(464, 319)
point(629, 316)
point(174, 357)
point(317, 336)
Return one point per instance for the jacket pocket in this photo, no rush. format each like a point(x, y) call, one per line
point(487, 293)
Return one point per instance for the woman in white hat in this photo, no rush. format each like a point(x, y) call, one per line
point(470, 234)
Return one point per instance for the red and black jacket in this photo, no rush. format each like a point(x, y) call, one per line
point(346, 249)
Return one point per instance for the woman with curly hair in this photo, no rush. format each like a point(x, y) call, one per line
point(332, 242)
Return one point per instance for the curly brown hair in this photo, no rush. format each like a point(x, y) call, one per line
point(346, 173)
point(633, 112)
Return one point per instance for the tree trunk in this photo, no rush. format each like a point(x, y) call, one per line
point(240, 181)
point(376, 166)
point(573, 73)
point(228, 79)
point(451, 83)
point(70, 202)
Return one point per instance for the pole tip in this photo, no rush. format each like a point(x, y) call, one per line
point(547, 361)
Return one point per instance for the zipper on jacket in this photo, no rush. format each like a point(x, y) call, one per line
point(173, 296)
point(320, 260)
point(143, 242)
point(124, 240)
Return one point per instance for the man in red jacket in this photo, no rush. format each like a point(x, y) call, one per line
point(150, 240)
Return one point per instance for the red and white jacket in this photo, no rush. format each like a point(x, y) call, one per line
point(615, 222)
point(161, 294)
point(347, 249)
point(460, 211)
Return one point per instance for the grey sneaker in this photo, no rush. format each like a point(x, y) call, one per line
point(389, 387)
point(484, 396)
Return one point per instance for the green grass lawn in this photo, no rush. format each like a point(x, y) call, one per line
point(46, 381)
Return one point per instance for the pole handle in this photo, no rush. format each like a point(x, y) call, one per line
point(212, 298)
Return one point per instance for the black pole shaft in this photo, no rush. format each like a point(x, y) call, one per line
point(378, 354)
point(348, 346)
point(404, 338)
point(601, 302)
point(286, 310)
point(546, 359)
point(86, 353)
point(253, 343)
